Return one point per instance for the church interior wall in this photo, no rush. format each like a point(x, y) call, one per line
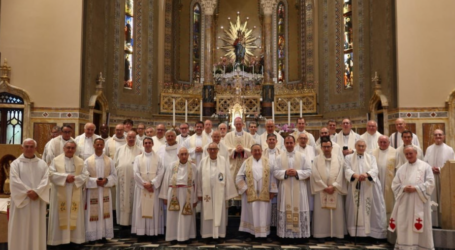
point(181, 41)
point(426, 52)
point(294, 35)
point(43, 40)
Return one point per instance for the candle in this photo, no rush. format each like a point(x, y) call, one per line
point(201, 111)
point(262, 70)
point(301, 108)
point(253, 71)
point(273, 112)
point(173, 112)
point(289, 113)
point(224, 70)
point(186, 110)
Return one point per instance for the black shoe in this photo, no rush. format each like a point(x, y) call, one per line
point(174, 242)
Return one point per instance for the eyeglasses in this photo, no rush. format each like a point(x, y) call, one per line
point(212, 149)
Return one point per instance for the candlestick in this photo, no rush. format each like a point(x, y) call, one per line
point(289, 113)
point(173, 112)
point(201, 111)
point(273, 112)
point(186, 110)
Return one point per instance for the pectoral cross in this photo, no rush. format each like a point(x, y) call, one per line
point(207, 198)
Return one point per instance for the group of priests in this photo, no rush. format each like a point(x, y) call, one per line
point(155, 181)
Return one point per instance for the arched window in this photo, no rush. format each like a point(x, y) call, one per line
point(196, 54)
point(281, 42)
point(11, 118)
point(348, 45)
point(129, 44)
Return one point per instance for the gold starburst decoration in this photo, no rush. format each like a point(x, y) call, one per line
point(239, 31)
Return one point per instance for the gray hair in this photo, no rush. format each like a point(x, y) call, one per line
point(171, 131)
point(27, 140)
point(256, 144)
point(360, 140)
point(70, 141)
point(409, 146)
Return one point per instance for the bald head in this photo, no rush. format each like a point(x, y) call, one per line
point(372, 127)
point(216, 136)
point(383, 142)
point(183, 155)
point(400, 125)
point(270, 126)
point(119, 130)
point(324, 132)
point(89, 129)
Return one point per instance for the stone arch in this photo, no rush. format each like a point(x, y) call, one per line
point(101, 99)
point(451, 114)
point(379, 105)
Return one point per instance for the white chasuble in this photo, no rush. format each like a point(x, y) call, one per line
point(437, 156)
point(386, 173)
point(256, 210)
point(147, 217)
point(329, 216)
point(98, 214)
point(221, 152)
point(179, 226)
point(25, 175)
point(311, 140)
point(293, 203)
point(372, 217)
point(158, 143)
point(348, 140)
point(215, 187)
point(400, 158)
point(236, 159)
point(85, 145)
point(279, 142)
point(371, 141)
point(124, 160)
point(411, 215)
point(193, 142)
point(55, 148)
point(66, 214)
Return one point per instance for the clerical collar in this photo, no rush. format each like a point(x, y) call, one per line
point(98, 156)
point(360, 156)
point(148, 153)
point(199, 135)
point(29, 157)
point(303, 147)
point(346, 134)
point(131, 146)
point(69, 158)
point(272, 150)
point(171, 147)
point(290, 153)
point(328, 159)
point(183, 164)
point(184, 136)
point(213, 160)
point(238, 133)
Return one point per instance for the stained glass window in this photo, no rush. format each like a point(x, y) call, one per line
point(348, 45)
point(196, 43)
point(281, 42)
point(129, 44)
point(11, 119)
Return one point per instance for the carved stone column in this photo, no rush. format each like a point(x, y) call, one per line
point(267, 87)
point(208, 90)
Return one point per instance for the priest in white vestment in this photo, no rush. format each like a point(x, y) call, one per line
point(178, 192)
point(292, 171)
point(406, 137)
point(256, 184)
point(183, 136)
point(29, 183)
point(56, 145)
point(99, 223)
point(104, 132)
point(148, 217)
point(364, 188)
point(371, 136)
point(222, 149)
point(300, 129)
point(238, 143)
point(385, 158)
point(85, 141)
point(124, 160)
point(115, 142)
point(309, 152)
point(55, 131)
point(347, 138)
point(66, 214)
point(329, 188)
point(159, 139)
point(196, 143)
point(215, 187)
point(140, 133)
point(332, 126)
point(336, 149)
point(150, 132)
point(272, 152)
point(437, 155)
point(411, 215)
point(270, 129)
point(396, 138)
point(222, 127)
point(253, 129)
point(208, 128)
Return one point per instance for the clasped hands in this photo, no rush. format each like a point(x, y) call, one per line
point(360, 177)
point(149, 187)
point(329, 190)
point(198, 150)
point(101, 182)
point(409, 189)
point(239, 149)
point(291, 172)
point(436, 170)
point(32, 195)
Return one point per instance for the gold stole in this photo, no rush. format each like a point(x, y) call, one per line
point(292, 200)
point(94, 203)
point(174, 204)
point(351, 140)
point(57, 147)
point(367, 186)
point(264, 195)
point(81, 144)
point(112, 147)
point(389, 175)
point(266, 151)
point(219, 189)
point(147, 199)
point(59, 163)
point(328, 201)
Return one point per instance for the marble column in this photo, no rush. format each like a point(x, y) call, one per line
point(268, 85)
point(208, 90)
